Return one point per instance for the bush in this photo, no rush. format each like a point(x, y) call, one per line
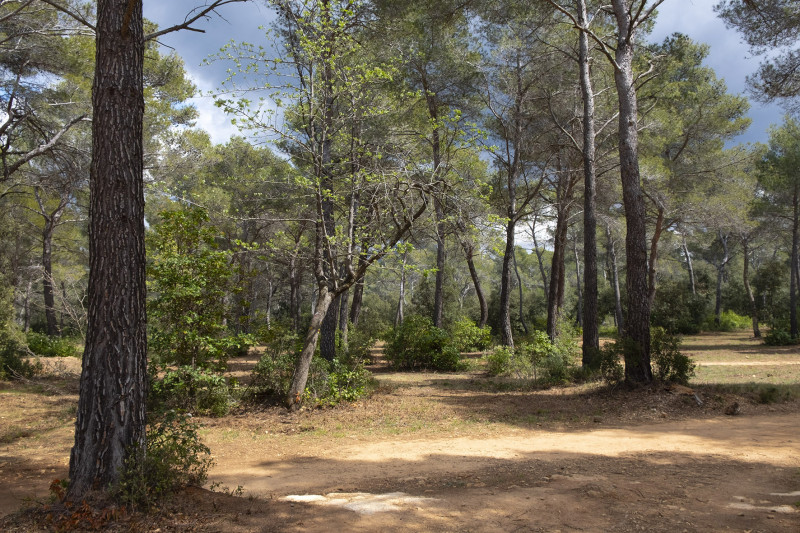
point(728, 321)
point(670, 364)
point(192, 390)
point(609, 362)
point(418, 344)
point(779, 337)
point(12, 343)
point(172, 457)
point(47, 346)
point(535, 358)
point(466, 336)
point(677, 310)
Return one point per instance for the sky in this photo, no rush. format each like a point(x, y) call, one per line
point(728, 56)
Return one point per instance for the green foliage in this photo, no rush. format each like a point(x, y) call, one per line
point(50, 346)
point(779, 337)
point(535, 359)
point(728, 321)
point(12, 342)
point(418, 344)
point(609, 362)
point(677, 310)
point(190, 280)
point(466, 336)
point(172, 457)
point(670, 364)
point(192, 390)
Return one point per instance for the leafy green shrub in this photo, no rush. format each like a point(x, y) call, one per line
point(728, 321)
point(172, 457)
point(12, 343)
point(498, 361)
point(609, 362)
point(779, 337)
point(47, 346)
point(466, 336)
point(346, 382)
point(536, 359)
point(677, 310)
point(670, 364)
point(418, 344)
point(192, 390)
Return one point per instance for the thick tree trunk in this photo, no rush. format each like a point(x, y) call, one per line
point(746, 280)
point(303, 363)
point(327, 339)
point(637, 324)
point(591, 336)
point(469, 253)
point(612, 255)
point(111, 414)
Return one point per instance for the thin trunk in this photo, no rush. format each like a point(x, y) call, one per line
point(591, 335)
point(637, 324)
point(748, 289)
point(652, 265)
point(401, 299)
point(47, 281)
point(578, 279)
point(723, 239)
point(519, 287)
point(794, 266)
point(303, 363)
point(476, 282)
point(355, 305)
point(111, 415)
point(270, 293)
point(539, 258)
point(344, 318)
point(555, 299)
point(438, 295)
point(689, 265)
point(612, 255)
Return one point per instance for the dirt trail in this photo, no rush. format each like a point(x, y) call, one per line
point(697, 475)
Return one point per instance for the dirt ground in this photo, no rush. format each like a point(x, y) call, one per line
point(458, 452)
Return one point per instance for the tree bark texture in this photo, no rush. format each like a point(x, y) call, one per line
point(519, 288)
point(612, 256)
point(111, 416)
point(303, 364)
point(555, 299)
point(47, 279)
point(591, 335)
point(506, 334)
point(637, 324)
point(795, 264)
point(578, 281)
point(723, 239)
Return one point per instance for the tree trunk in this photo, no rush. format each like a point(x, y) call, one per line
point(327, 339)
point(401, 298)
point(591, 335)
point(506, 333)
point(344, 317)
point(303, 363)
point(723, 239)
point(689, 265)
point(47, 281)
point(637, 324)
point(540, 260)
point(111, 415)
point(794, 266)
point(438, 294)
point(519, 287)
point(612, 255)
point(555, 299)
point(578, 280)
point(746, 280)
point(652, 265)
point(476, 282)
point(355, 305)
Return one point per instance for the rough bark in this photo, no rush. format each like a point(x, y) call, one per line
point(327, 339)
point(111, 414)
point(637, 324)
point(519, 288)
point(555, 298)
point(612, 256)
point(652, 261)
point(795, 264)
point(47, 279)
point(591, 335)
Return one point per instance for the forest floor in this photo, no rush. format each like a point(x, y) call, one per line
point(464, 452)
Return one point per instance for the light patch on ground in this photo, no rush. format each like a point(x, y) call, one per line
point(783, 509)
point(363, 502)
point(786, 494)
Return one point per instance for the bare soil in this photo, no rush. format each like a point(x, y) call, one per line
point(458, 452)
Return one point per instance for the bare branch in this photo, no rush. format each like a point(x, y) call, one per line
point(204, 12)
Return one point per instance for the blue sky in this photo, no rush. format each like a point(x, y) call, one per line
point(729, 57)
